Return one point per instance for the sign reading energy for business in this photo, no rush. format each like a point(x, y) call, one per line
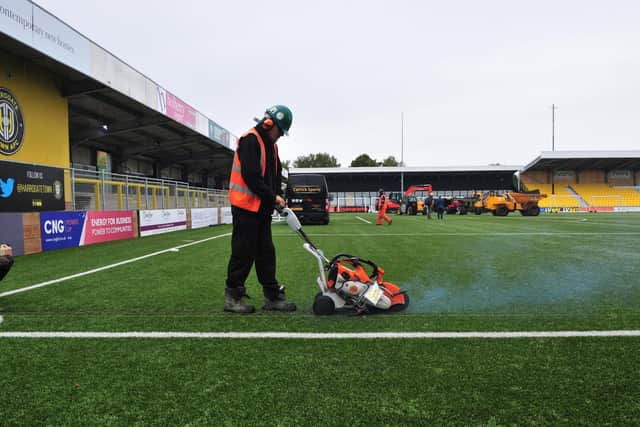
point(28, 188)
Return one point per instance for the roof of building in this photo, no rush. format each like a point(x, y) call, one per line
point(581, 160)
point(407, 169)
point(112, 106)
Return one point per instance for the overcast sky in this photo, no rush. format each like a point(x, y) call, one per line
point(475, 79)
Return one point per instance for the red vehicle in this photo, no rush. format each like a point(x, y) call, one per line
point(407, 203)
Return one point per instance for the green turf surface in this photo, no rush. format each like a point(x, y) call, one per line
point(466, 273)
point(270, 382)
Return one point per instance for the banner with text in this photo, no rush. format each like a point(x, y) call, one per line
point(35, 27)
point(27, 188)
point(180, 111)
point(105, 226)
point(204, 217)
point(226, 217)
point(60, 230)
point(161, 221)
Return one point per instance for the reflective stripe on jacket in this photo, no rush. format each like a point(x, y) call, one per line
point(240, 194)
point(382, 201)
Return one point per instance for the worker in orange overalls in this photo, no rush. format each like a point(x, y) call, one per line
point(382, 208)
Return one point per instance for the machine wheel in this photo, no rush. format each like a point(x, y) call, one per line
point(534, 211)
point(326, 221)
point(323, 305)
point(501, 211)
point(477, 211)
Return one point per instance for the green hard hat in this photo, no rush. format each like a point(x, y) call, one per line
point(281, 115)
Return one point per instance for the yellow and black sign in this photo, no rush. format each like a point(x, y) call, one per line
point(34, 116)
point(307, 189)
point(11, 123)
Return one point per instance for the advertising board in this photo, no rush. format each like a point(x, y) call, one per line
point(180, 111)
point(204, 217)
point(28, 188)
point(225, 216)
point(105, 226)
point(60, 230)
point(161, 221)
point(35, 27)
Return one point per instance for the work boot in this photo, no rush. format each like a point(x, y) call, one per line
point(233, 301)
point(275, 300)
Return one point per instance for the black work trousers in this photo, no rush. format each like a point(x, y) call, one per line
point(251, 242)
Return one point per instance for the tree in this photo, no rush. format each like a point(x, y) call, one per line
point(390, 161)
point(286, 164)
point(363, 160)
point(319, 160)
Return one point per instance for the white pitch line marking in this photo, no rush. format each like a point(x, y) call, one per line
point(497, 234)
point(327, 336)
point(107, 267)
point(364, 220)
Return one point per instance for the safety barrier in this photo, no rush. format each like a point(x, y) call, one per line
point(96, 190)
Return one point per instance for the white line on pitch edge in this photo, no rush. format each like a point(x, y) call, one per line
point(326, 336)
point(107, 267)
point(362, 219)
point(475, 234)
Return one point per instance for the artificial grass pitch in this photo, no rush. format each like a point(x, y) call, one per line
point(466, 273)
point(294, 383)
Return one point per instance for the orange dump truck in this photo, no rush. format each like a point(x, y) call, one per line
point(503, 203)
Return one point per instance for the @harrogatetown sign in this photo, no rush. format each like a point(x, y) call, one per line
point(11, 123)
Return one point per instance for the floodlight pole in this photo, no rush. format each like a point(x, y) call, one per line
point(401, 151)
point(553, 127)
point(553, 143)
point(402, 138)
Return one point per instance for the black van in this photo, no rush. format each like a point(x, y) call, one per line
point(308, 196)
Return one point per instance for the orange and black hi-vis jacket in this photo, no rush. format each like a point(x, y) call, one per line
point(382, 201)
point(240, 194)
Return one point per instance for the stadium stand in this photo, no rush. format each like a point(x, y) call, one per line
point(561, 197)
point(603, 195)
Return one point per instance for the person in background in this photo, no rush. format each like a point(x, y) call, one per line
point(382, 208)
point(6, 260)
point(254, 191)
point(428, 205)
point(441, 205)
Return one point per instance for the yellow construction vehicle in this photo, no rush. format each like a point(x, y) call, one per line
point(500, 204)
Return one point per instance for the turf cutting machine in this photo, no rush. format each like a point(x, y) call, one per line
point(347, 282)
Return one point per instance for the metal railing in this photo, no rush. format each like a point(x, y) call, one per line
point(99, 190)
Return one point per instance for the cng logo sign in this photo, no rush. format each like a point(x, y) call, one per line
point(11, 123)
point(54, 226)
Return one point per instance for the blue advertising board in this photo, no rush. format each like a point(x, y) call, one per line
point(60, 230)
